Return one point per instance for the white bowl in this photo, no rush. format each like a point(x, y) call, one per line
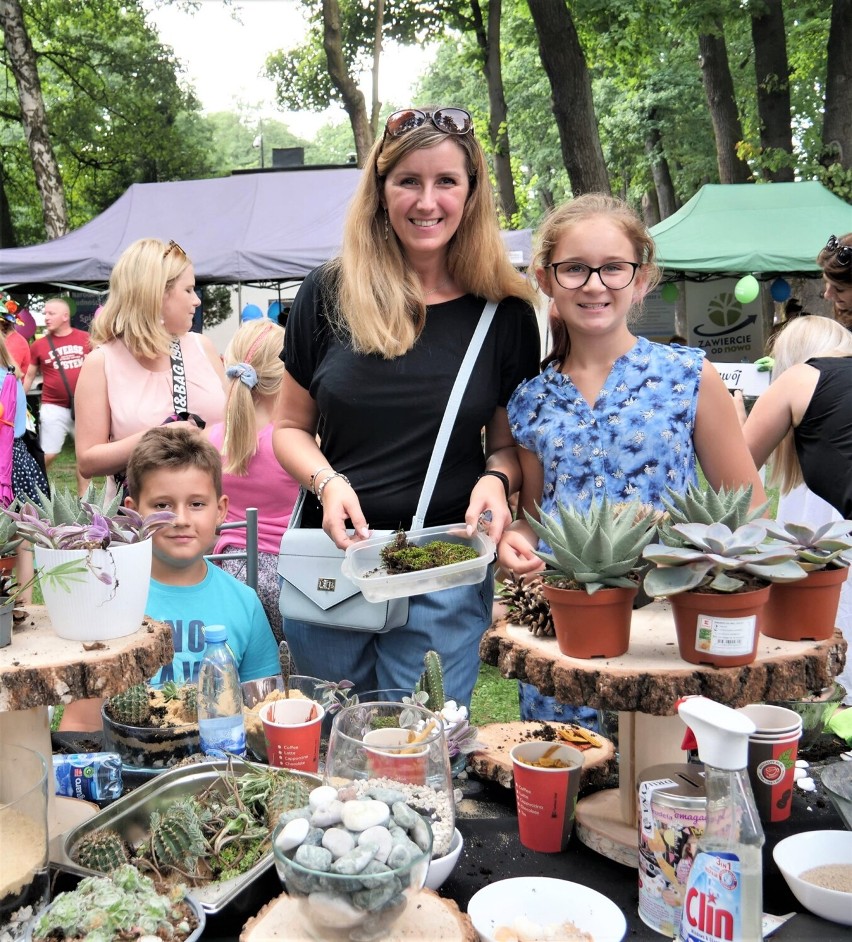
point(545, 901)
point(800, 852)
point(441, 867)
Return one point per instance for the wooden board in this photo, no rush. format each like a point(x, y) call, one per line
point(495, 764)
point(427, 918)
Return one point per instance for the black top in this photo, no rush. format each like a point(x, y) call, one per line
point(824, 436)
point(379, 418)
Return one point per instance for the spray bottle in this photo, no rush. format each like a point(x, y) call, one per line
point(724, 892)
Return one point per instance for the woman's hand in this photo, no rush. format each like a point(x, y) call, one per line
point(488, 510)
point(516, 554)
point(339, 504)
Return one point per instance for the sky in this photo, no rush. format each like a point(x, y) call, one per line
point(224, 57)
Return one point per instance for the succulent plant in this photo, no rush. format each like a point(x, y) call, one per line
point(730, 507)
point(432, 681)
point(177, 839)
point(189, 695)
point(131, 706)
point(601, 547)
point(816, 547)
point(710, 552)
point(103, 850)
point(285, 794)
point(9, 538)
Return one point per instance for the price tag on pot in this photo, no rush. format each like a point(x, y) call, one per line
point(714, 635)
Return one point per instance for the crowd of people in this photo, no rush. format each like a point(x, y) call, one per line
point(346, 405)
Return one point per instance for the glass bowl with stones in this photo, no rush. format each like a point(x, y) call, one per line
point(352, 863)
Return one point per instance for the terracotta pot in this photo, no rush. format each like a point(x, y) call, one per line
point(710, 623)
point(805, 610)
point(7, 563)
point(591, 625)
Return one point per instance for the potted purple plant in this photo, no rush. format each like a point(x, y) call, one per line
point(93, 561)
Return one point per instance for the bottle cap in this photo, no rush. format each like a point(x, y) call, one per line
point(215, 633)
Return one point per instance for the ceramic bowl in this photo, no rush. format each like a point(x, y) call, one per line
point(545, 902)
point(441, 867)
point(800, 852)
point(837, 779)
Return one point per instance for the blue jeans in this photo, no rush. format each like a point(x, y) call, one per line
point(450, 622)
point(538, 706)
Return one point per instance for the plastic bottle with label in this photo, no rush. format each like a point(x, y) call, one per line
point(93, 776)
point(220, 703)
point(724, 891)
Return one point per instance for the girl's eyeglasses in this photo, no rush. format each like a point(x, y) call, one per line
point(613, 275)
point(173, 245)
point(841, 251)
point(448, 120)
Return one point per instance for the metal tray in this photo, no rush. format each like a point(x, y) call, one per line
point(134, 810)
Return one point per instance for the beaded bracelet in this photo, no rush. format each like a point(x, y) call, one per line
point(314, 476)
point(331, 477)
point(497, 474)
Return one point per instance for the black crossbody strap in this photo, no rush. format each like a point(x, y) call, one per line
point(178, 377)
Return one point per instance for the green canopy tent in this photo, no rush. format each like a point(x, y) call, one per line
point(767, 229)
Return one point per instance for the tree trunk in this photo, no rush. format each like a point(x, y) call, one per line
point(22, 61)
point(353, 99)
point(488, 41)
point(7, 230)
point(772, 72)
point(837, 123)
point(377, 55)
point(650, 208)
point(719, 88)
point(571, 90)
point(666, 199)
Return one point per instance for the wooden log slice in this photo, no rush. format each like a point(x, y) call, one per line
point(427, 918)
point(652, 676)
point(495, 764)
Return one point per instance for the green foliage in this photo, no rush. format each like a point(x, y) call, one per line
point(131, 707)
point(495, 699)
point(432, 681)
point(705, 505)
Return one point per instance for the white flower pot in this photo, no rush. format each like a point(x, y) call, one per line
point(83, 608)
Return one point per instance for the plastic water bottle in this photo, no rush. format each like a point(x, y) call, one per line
point(220, 701)
point(93, 776)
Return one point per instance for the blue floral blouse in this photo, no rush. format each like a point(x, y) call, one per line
point(634, 443)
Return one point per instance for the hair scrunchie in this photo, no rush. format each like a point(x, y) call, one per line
point(244, 373)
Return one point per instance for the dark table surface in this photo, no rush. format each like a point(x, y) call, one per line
point(492, 851)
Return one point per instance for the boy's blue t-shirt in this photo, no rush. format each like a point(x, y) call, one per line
point(219, 599)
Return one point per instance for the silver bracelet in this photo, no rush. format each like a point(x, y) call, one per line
point(321, 488)
point(315, 475)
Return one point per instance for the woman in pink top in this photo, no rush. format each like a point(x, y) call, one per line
point(125, 385)
point(252, 477)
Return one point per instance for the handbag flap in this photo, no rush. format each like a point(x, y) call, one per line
point(310, 562)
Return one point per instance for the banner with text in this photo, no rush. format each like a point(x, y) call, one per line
point(728, 331)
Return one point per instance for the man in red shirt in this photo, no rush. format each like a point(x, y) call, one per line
point(59, 356)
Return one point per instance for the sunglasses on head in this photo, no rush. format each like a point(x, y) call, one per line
point(841, 251)
point(173, 245)
point(448, 120)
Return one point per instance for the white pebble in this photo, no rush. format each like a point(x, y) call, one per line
point(292, 834)
point(799, 774)
point(846, 756)
point(802, 764)
point(359, 815)
point(339, 841)
point(379, 836)
point(329, 909)
point(322, 795)
point(806, 784)
point(327, 815)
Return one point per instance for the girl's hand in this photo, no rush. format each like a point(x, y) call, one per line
point(515, 554)
point(339, 503)
point(488, 510)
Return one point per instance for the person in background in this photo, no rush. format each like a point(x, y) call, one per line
point(17, 345)
point(141, 342)
point(252, 476)
point(611, 413)
point(374, 341)
point(58, 356)
point(835, 260)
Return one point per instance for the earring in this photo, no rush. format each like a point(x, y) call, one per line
point(387, 226)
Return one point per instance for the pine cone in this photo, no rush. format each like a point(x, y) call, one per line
point(526, 602)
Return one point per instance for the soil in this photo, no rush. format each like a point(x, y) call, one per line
point(167, 713)
point(404, 556)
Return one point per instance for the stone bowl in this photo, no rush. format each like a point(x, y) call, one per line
point(334, 905)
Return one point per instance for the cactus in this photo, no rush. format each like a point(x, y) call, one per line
point(177, 839)
point(707, 506)
point(131, 707)
point(102, 850)
point(189, 695)
point(285, 794)
point(432, 681)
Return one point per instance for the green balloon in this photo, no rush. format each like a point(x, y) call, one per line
point(669, 292)
point(746, 289)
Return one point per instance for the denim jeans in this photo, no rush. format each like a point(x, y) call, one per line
point(450, 622)
point(538, 706)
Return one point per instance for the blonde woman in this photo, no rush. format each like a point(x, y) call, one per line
point(252, 477)
point(374, 341)
point(143, 342)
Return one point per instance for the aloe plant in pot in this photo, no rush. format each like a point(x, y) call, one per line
point(807, 609)
point(593, 561)
point(718, 581)
point(9, 543)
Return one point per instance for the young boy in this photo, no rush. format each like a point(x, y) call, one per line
point(178, 469)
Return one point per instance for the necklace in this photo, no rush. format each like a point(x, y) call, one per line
point(437, 288)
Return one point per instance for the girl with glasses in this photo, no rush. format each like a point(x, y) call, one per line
point(612, 413)
point(836, 263)
point(374, 341)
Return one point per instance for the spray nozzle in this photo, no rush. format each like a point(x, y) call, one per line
point(719, 733)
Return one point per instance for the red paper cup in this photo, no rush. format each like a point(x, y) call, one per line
point(771, 770)
point(546, 797)
point(292, 732)
point(392, 756)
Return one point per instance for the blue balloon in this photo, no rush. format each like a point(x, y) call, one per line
point(780, 290)
point(251, 312)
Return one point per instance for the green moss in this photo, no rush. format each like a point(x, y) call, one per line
point(403, 556)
